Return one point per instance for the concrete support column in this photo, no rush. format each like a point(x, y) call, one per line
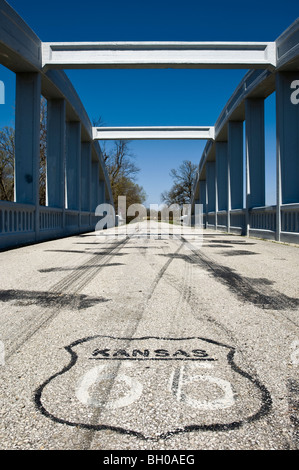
point(255, 152)
point(211, 192)
point(287, 143)
point(211, 188)
point(94, 185)
point(222, 176)
point(202, 194)
point(85, 176)
point(55, 195)
point(255, 156)
point(27, 138)
point(235, 165)
point(203, 198)
point(73, 165)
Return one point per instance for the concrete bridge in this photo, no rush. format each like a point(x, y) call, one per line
point(151, 340)
point(77, 180)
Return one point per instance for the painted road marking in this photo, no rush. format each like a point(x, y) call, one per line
point(179, 381)
point(166, 385)
point(97, 375)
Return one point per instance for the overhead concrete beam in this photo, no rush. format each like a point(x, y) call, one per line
point(118, 55)
point(151, 133)
point(20, 48)
point(287, 47)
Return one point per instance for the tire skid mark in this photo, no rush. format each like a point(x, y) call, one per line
point(243, 288)
point(91, 428)
point(71, 284)
point(183, 285)
point(190, 296)
point(79, 278)
point(129, 333)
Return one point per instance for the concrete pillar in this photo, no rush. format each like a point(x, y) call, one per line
point(56, 153)
point(94, 185)
point(211, 188)
point(73, 165)
point(27, 138)
point(85, 176)
point(203, 198)
point(255, 152)
point(221, 175)
point(202, 193)
point(235, 165)
point(287, 122)
point(221, 149)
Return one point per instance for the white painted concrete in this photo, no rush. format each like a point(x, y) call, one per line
point(135, 133)
point(159, 55)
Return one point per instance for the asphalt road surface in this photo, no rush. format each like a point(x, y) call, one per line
point(147, 340)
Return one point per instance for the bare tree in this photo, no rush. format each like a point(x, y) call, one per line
point(183, 181)
point(43, 152)
point(121, 168)
point(7, 160)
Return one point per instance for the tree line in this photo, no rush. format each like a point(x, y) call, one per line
point(119, 161)
point(120, 165)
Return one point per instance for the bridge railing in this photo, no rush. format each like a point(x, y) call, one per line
point(261, 220)
point(71, 149)
point(19, 225)
point(219, 181)
point(71, 196)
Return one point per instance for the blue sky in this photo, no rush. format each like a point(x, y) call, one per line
point(157, 97)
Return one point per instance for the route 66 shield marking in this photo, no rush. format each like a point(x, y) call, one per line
point(152, 387)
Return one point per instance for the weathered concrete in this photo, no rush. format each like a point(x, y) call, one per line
point(158, 133)
point(24, 221)
point(159, 55)
point(56, 147)
point(27, 140)
point(146, 343)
